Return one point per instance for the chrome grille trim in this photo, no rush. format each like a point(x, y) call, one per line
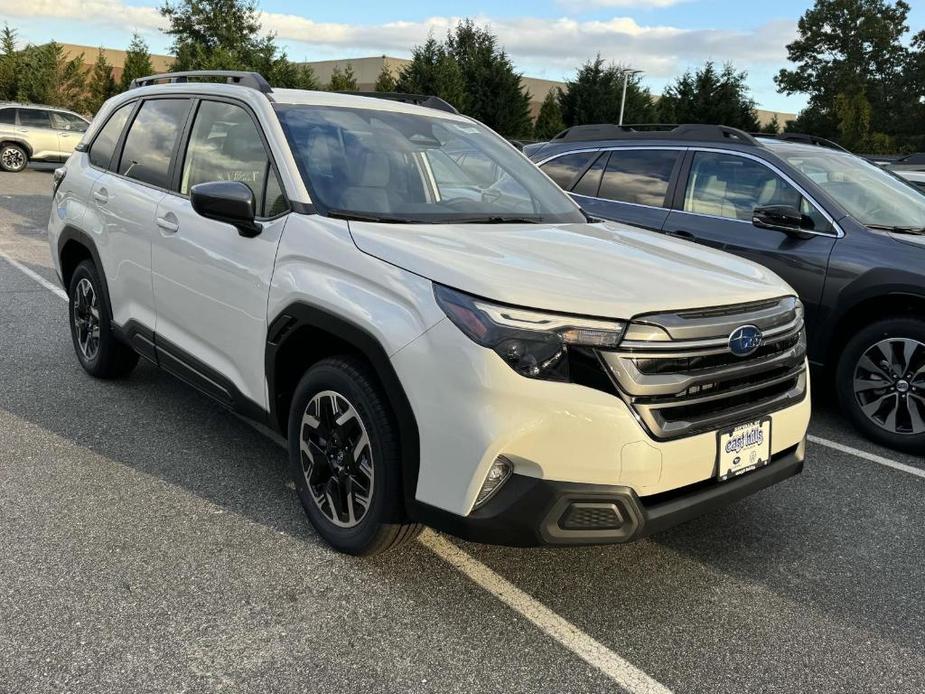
point(694, 383)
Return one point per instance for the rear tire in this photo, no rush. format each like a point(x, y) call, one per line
point(13, 158)
point(880, 382)
point(345, 458)
point(99, 351)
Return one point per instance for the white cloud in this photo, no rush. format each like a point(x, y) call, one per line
point(582, 5)
point(553, 46)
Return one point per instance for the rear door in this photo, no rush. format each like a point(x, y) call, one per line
point(719, 192)
point(211, 284)
point(35, 128)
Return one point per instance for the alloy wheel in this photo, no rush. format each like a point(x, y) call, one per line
point(87, 319)
point(337, 459)
point(889, 384)
point(12, 158)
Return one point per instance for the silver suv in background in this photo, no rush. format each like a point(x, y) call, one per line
point(30, 132)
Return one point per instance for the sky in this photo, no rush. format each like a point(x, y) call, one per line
point(545, 38)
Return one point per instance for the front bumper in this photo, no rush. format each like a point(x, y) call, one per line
point(529, 511)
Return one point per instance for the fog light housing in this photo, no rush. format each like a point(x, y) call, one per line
point(498, 474)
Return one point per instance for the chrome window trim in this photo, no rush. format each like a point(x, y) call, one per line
point(622, 202)
point(610, 149)
point(839, 232)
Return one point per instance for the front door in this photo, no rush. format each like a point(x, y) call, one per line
point(721, 193)
point(35, 128)
point(210, 283)
point(70, 129)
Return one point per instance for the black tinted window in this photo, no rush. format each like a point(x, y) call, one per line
point(565, 169)
point(151, 140)
point(590, 181)
point(105, 142)
point(639, 176)
point(34, 118)
point(7, 116)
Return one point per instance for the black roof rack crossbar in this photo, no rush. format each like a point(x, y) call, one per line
point(416, 99)
point(254, 80)
point(656, 131)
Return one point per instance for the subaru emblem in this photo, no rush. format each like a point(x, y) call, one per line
point(744, 340)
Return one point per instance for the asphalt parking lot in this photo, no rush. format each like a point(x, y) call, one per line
point(149, 541)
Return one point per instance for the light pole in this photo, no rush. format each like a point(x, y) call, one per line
point(626, 76)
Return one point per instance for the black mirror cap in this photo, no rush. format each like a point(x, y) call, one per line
point(231, 202)
point(785, 218)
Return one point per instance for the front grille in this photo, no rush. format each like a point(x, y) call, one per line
point(692, 382)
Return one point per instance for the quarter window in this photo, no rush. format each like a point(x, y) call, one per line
point(225, 145)
point(151, 140)
point(105, 143)
point(34, 118)
point(638, 176)
point(725, 185)
point(565, 170)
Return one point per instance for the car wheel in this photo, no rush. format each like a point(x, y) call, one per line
point(99, 351)
point(344, 457)
point(881, 382)
point(13, 158)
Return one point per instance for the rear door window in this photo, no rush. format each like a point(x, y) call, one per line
point(152, 139)
point(639, 176)
point(566, 169)
point(590, 181)
point(68, 121)
point(34, 118)
point(7, 116)
point(105, 143)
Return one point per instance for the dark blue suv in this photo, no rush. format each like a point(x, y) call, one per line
point(847, 235)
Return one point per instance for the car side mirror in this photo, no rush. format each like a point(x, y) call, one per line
point(785, 218)
point(231, 202)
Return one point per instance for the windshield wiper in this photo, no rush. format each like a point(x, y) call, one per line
point(918, 231)
point(368, 217)
point(497, 219)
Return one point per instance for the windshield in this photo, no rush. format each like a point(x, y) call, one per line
point(867, 192)
point(400, 167)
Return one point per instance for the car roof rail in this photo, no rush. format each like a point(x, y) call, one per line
point(416, 99)
point(803, 138)
point(656, 131)
point(254, 80)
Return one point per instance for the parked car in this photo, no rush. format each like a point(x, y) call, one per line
point(847, 235)
point(435, 326)
point(37, 133)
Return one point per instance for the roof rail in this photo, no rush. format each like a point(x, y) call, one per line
point(254, 80)
point(805, 139)
point(416, 99)
point(655, 131)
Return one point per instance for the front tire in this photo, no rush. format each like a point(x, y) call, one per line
point(881, 382)
point(99, 351)
point(344, 457)
point(13, 158)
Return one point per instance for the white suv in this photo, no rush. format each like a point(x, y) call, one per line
point(440, 332)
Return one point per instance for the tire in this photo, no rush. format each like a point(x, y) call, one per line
point(13, 158)
point(98, 350)
point(880, 381)
point(332, 482)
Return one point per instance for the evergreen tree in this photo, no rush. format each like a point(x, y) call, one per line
point(101, 85)
point(9, 64)
point(137, 62)
point(595, 94)
point(342, 80)
point(772, 127)
point(709, 96)
point(549, 119)
point(47, 76)
point(386, 81)
point(435, 72)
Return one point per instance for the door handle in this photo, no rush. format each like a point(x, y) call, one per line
point(101, 196)
point(168, 223)
point(681, 234)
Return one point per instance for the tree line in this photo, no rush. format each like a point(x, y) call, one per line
point(864, 76)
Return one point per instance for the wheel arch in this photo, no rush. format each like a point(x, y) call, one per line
point(20, 143)
point(301, 335)
point(75, 246)
point(866, 310)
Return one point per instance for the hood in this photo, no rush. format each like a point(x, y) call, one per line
point(607, 269)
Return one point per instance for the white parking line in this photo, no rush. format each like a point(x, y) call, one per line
point(872, 457)
point(624, 673)
point(55, 289)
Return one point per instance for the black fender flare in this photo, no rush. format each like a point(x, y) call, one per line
point(298, 315)
point(84, 239)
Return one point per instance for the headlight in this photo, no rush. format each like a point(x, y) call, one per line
point(534, 343)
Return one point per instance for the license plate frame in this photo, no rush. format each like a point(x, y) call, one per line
point(741, 449)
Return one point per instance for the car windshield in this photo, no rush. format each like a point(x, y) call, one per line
point(867, 192)
point(398, 167)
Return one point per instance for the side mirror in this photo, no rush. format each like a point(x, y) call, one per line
point(783, 218)
point(231, 202)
